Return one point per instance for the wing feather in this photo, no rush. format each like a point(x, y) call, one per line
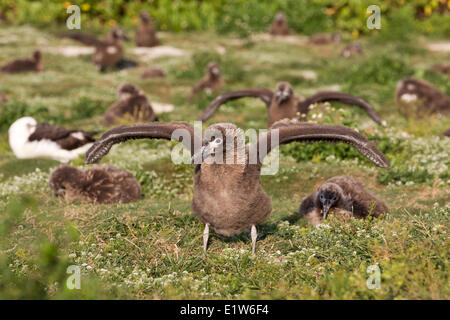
point(348, 99)
point(294, 131)
point(145, 131)
point(264, 94)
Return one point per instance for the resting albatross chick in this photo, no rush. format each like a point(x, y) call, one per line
point(345, 196)
point(108, 52)
point(153, 72)
point(29, 139)
point(24, 65)
point(132, 105)
point(105, 184)
point(227, 192)
point(212, 81)
point(321, 39)
point(145, 34)
point(279, 26)
point(417, 97)
point(283, 103)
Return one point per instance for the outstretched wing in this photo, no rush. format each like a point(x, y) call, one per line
point(145, 131)
point(348, 99)
point(310, 132)
point(84, 38)
point(264, 94)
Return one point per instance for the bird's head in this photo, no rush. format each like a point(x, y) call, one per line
point(328, 195)
point(118, 34)
point(280, 17)
point(24, 126)
point(127, 89)
point(37, 55)
point(145, 17)
point(213, 69)
point(219, 139)
point(283, 92)
point(63, 176)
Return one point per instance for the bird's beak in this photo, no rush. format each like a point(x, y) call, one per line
point(280, 97)
point(326, 208)
point(125, 37)
point(204, 152)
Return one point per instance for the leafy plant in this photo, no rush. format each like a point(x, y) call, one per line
point(403, 175)
point(86, 108)
point(13, 110)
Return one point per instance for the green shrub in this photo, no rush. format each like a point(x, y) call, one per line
point(238, 16)
point(246, 16)
point(197, 66)
point(13, 110)
point(403, 175)
point(400, 26)
point(86, 108)
point(380, 69)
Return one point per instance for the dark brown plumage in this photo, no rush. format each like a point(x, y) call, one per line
point(212, 81)
point(227, 192)
point(321, 39)
point(105, 184)
point(145, 34)
point(279, 26)
point(25, 65)
point(342, 196)
point(352, 49)
point(153, 72)
point(133, 105)
point(441, 68)
point(67, 139)
point(283, 103)
point(419, 98)
point(108, 52)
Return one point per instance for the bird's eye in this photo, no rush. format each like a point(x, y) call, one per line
point(218, 141)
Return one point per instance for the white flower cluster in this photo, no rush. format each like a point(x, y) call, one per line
point(132, 156)
point(28, 183)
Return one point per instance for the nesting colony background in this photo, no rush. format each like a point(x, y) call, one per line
point(152, 248)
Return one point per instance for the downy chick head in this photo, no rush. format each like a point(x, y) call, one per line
point(213, 69)
point(329, 195)
point(62, 177)
point(218, 140)
point(283, 92)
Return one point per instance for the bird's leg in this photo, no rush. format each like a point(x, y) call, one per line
point(254, 235)
point(205, 237)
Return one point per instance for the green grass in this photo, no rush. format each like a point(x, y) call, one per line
point(152, 248)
